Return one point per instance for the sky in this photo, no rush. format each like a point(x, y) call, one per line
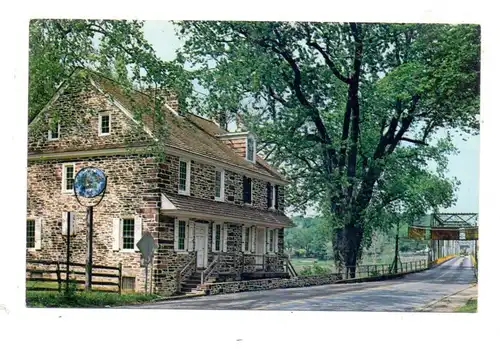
point(464, 166)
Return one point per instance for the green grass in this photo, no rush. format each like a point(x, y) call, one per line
point(95, 299)
point(39, 284)
point(301, 263)
point(469, 307)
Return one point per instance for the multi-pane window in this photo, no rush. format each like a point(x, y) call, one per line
point(128, 233)
point(271, 241)
point(104, 126)
point(30, 233)
point(219, 185)
point(68, 177)
point(250, 149)
point(247, 239)
point(54, 130)
point(182, 236)
point(184, 176)
point(217, 237)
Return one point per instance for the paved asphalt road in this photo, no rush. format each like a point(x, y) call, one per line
point(404, 294)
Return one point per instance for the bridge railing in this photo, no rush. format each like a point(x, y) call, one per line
point(374, 270)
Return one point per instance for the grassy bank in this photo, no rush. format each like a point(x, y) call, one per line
point(48, 299)
point(469, 307)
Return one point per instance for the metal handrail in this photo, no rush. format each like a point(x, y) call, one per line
point(181, 273)
point(209, 270)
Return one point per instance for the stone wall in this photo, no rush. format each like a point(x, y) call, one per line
point(78, 108)
point(268, 284)
point(131, 191)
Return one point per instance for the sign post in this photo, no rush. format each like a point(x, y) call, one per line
point(68, 250)
point(147, 246)
point(90, 182)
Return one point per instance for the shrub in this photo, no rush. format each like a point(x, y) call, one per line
point(315, 269)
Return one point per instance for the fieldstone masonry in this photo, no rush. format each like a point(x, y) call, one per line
point(135, 183)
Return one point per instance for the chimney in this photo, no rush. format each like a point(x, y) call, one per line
point(170, 97)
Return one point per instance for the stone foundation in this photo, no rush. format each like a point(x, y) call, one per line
point(269, 284)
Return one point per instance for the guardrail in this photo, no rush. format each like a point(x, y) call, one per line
point(374, 270)
point(43, 271)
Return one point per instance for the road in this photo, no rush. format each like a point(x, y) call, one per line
point(403, 294)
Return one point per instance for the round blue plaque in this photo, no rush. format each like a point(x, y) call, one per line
point(89, 182)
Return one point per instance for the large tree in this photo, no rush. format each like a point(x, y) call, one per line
point(352, 112)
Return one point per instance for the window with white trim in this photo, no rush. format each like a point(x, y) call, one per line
point(30, 233)
point(217, 238)
point(272, 240)
point(128, 225)
point(246, 244)
point(34, 233)
point(184, 176)
point(68, 177)
point(54, 131)
point(104, 124)
point(250, 155)
point(127, 232)
point(219, 185)
point(181, 236)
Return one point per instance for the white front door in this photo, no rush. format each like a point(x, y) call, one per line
point(201, 244)
point(260, 246)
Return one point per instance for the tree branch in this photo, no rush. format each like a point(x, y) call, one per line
point(415, 141)
point(329, 62)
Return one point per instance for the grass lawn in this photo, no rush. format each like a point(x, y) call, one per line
point(95, 299)
point(469, 307)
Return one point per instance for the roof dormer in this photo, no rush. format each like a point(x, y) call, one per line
point(243, 143)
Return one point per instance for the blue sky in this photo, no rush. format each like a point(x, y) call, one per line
point(464, 165)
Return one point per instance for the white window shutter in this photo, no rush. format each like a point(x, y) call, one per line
point(243, 239)
point(214, 230)
point(64, 225)
point(116, 234)
point(72, 223)
point(176, 235)
point(38, 234)
point(267, 239)
point(276, 240)
point(252, 234)
point(190, 236)
point(224, 240)
point(137, 231)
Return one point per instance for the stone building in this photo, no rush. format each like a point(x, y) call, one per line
point(212, 204)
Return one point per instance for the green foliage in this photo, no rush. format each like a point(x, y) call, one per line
point(308, 238)
point(315, 269)
point(295, 82)
point(43, 299)
point(469, 307)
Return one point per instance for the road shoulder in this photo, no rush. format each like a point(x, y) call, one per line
point(451, 303)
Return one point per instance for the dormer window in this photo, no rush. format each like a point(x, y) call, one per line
point(54, 131)
point(250, 148)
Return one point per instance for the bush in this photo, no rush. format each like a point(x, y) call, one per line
point(315, 269)
point(93, 299)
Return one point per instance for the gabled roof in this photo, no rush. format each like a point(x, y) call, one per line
point(189, 133)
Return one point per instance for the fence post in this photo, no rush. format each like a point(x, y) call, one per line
point(120, 278)
point(58, 272)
